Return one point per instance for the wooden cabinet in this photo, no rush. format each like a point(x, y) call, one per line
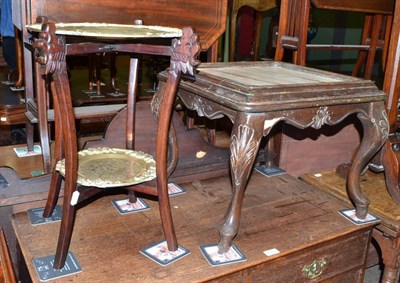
point(333, 261)
point(387, 233)
point(326, 260)
point(281, 212)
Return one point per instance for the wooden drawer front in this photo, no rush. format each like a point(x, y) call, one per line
point(340, 255)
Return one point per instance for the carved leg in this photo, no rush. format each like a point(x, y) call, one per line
point(59, 87)
point(113, 72)
point(173, 150)
point(245, 141)
point(211, 126)
point(132, 196)
point(56, 178)
point(42, 119)
point(273, 147)
point(375, 132)
point(67, 223)
point(62, 97)
point(91, 66)
point(163, 114)
point(54, 193)
point(29, 135)
point(99, 61)
point(390, 254)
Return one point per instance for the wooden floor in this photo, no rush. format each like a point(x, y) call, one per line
point(279, 212)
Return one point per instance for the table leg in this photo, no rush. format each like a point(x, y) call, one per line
point(390, 159)
point(245, 140)
point(42, 99)
point(390, 247)
point(375, 132)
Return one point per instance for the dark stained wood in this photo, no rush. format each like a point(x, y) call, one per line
point(299, 221)
point(50, 54)
point(387, 233)
point(308, 150)
point(207, 17)
point(256, 96)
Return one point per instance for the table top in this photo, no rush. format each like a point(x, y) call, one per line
point(207, 16)
point(266, 75)
point(264, 86)
point(106, 30)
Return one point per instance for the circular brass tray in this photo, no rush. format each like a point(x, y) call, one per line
point(112, 167)
point(111, 30)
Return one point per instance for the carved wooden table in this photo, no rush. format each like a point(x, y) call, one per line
point(257, 95)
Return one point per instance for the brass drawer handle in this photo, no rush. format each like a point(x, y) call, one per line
point(315, 269)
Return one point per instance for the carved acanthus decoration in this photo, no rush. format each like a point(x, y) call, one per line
point(203, 108)
point(243, 148)
point(384, 125)
point(49, 48)
point(323, 117)
point(155, 105)
point(185, 51)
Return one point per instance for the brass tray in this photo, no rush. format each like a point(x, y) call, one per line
point(105, 167)
point(111, 30)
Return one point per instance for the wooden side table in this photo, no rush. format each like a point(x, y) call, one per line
point(257, 95)
point(209, 28)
